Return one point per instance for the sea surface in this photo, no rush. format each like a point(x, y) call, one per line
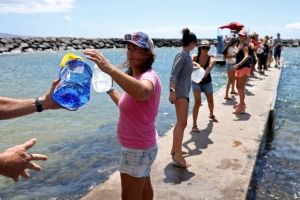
point(82, 146)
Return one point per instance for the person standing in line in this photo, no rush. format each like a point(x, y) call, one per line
point(264, 56)
point(256, 43)
point(138, 105)
point(229, 54)
point(252, 54)
point(205, 85)
point(277, 49)
point(270, 54)
point(242, 71)
point(180, 85)
point(14, 161)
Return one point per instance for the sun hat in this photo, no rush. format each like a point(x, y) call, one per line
point(204, 43)
point(140, 39)
point(243, 32)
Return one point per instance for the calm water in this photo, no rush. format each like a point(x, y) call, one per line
point(82, 146)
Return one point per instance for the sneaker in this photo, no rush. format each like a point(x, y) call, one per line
point(239, 110)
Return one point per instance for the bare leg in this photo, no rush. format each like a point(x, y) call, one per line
point(182, 107)
point(197, 104)
point(241, 89)
point(134, 188)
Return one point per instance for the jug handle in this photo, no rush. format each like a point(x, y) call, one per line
point(71, 56)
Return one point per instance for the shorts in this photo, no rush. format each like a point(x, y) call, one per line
point(253, 60)
point(137, 162)
point(206, 87)
point(242, 72)
point(277, 53)
point(271, 52)
point(229, 66)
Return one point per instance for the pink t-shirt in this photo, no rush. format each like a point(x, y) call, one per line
point(136, 126)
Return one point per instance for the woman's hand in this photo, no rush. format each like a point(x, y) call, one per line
point(196, 66)
point(236, 66)
point(172, 97)
point(99, 59)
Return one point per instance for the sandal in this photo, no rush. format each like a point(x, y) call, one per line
point(214, 119)
point(239, 110)
point(234, 93)
point(238, 105)
point(178, 164)
point(195, 129)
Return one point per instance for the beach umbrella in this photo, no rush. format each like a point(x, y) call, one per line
point(233, 26)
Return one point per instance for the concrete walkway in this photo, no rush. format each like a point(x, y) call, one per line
point(223, 154)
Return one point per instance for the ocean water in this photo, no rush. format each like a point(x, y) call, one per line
point(82, 146)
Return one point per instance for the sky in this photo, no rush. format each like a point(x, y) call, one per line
point(157, 18)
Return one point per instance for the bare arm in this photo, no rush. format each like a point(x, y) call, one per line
point(140, 90)
point(11, 108)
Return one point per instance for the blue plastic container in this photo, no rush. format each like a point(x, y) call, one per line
point(73, 90)
point(220, 44)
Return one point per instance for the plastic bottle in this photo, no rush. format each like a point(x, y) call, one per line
point(101, 81)
point(73, 89)
point(198, 74)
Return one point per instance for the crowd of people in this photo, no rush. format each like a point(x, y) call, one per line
point(139, 102)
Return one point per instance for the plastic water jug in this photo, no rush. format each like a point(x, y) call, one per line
point(101, 81)
point(198, 74)
point(73, 89)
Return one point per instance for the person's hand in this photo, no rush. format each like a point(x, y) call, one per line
point(99, 59)
point(47, 100)
point(235, 67)
point(196, 66)
point(172, 97)
point(14, 161)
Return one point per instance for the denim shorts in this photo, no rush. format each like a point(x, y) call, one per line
point(229, 66)
point(137, 162)
point(206, 88)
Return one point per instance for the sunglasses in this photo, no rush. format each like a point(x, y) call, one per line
point(205, 48)
point(137, 38)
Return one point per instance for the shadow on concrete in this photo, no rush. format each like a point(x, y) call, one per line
point(243, 116)
point(200, 140)
point(176, 175)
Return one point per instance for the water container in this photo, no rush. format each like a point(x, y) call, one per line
point(197, 75)
point(220, 44)
point(101, 81)
point(73, 89)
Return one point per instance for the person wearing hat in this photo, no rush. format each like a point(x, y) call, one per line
point(242, 71)
point(277, 49)
point(205, 85)
point(180, 85)
point(138, 105)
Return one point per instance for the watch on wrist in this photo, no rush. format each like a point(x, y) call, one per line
point(172, 90)
point(110, 90)
point(39, 105)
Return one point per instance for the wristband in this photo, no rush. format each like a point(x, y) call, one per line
point(172, 90)
point(110, 90)
point(39, 105)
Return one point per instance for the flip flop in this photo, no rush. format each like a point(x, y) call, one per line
point(195, 129)
point(234, 93)
point(228, 98)
point(214, 118)
point(183, 153)
point(175, 163)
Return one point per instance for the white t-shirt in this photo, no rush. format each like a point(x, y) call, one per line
point(230, 52)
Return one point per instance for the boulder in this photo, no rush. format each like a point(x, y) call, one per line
point(77, 42)
point(24, 45)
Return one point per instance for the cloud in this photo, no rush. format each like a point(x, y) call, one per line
point(35, 6)
point(294, 26)
point(82, 24)
point(68, 17)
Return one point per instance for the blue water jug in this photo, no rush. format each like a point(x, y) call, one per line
point(73, 89)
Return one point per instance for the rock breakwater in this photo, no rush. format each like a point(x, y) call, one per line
point(33, 44)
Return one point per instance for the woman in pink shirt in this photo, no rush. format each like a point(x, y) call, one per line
point(138, 107)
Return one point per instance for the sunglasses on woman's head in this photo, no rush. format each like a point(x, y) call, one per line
point(205, 48)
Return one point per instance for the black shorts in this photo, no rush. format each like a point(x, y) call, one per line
point(277, 53)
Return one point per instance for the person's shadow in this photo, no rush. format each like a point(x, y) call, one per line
point(200, 140)
point(176, 175)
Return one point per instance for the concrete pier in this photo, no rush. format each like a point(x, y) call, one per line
point(222, 155)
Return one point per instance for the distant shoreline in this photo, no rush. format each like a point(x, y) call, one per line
point(36, 44)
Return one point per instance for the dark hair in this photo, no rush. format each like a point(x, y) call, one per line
point(229, 44)
point(145, 65)
point(188, 37)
